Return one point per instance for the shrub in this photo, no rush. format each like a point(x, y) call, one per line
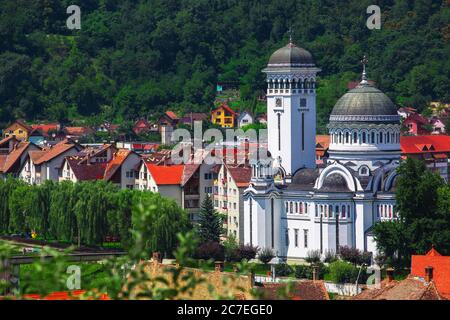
point(330, 256)
point(247, 252)
point(306, 272)
point(303, 272)
point(265, 255)
point(351, 255)
point(283, 270)
point(210, 250)
point(342, 272)
point(313, 256)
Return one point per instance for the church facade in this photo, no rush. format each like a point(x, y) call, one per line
point(291, 205)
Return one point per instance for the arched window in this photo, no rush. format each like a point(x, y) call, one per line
point(388, 135)
point(301, 207)
point(343, 211)
point(378, 210)
point(291, 207)
point(363, 137)
point(355, 137)
point(340, 137)
point(296, 207)
point(347, 137)
point(373, 137)
point(287, 206)
point(381, 137)
point(306, 208)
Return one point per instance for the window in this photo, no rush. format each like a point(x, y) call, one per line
point(343, 211)
point(302, 103)
point(355, 137)
point(286, 237)
point(287, 206)
point(291, 207)
point(363, 137)
point(305, 236)
point(306, 208)
point(296, 207)
point(296, 238)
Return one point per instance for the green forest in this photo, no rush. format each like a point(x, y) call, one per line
point(138, 58)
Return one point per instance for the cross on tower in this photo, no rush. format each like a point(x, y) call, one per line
point(291, 32)
point(364, 62)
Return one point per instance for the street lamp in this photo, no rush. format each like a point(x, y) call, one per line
point(273, 263)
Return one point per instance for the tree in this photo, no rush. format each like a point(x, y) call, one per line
point(156, 222)
point(210, 222)
point(424, 218)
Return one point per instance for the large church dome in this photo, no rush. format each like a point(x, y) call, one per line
point(364, 100)
point(291, 56)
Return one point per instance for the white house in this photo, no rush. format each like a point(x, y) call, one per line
point(45, 164)
point(244, 118)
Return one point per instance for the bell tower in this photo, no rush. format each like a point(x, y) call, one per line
point(291, 108)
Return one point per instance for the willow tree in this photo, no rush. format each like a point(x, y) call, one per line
point(6, 189)
point(62, 220)
point(156, 222)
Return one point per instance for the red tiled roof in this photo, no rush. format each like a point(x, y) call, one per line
point(7, 139)
point(116, 162)
point(78, 131)
point(421, 144)
point(301, 290)
point(166, 175)
point(13, 156)
point(172, 115)
point(441, 269)
point(241, 175)
point(226, 107)
point(322, 141)
point(84, 171)
point(40, 157)
point(414, 117)
point(409, 289)
point(45, 128)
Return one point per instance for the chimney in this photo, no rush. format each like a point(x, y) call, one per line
point(390, 274)
point(156, 256)
point(429, 274)
point(315, 273)
point(218, 266)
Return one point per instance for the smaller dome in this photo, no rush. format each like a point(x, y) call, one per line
point(334, 183)
point(291, 56)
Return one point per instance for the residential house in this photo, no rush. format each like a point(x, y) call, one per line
point(224, 116)
point(188, 184)
point(45, 164)
point(88, 164)
point(123, 169)
point(438, 125)
point(433, 267)
point(108, 128)
point(322, 144)
point(417, 124)
point(433, 149)
point(231, 182)
point(19, 129)
point(244, 118)
point(44, 132)
point(13, 154)
point(162, 179)
point(139, 147)
point(428, 280)
point(191, 117)
point(142, 126)
point(76, 133)
point(169, 118)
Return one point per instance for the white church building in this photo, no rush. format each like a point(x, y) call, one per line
point(291, 205)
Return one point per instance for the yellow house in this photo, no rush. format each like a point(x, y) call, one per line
point(223, 116)
point(18, 129)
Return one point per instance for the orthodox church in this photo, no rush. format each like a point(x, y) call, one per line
point(293, 206)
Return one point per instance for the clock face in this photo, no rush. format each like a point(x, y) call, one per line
point(278, 103)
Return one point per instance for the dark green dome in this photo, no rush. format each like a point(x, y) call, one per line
point(291, 56)
point(364, 100)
